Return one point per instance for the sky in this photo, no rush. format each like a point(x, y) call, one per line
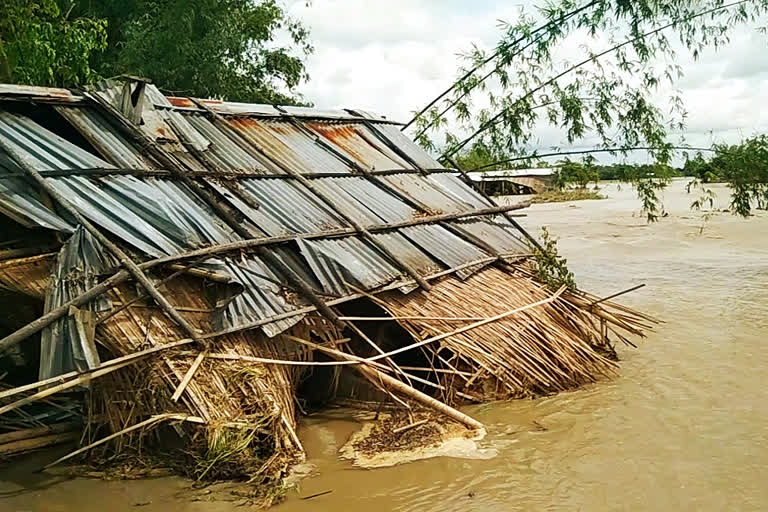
point(393, 56)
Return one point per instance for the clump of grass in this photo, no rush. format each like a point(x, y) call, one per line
point(572, 194)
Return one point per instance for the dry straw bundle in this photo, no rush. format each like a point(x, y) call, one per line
point(555, 346)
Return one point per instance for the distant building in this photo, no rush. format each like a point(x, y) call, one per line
point(505, 182)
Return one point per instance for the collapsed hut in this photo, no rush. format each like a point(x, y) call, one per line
point(197, 273)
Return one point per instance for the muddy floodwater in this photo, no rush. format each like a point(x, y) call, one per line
point(683, 427)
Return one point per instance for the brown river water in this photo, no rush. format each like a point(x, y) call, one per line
point(683, 427)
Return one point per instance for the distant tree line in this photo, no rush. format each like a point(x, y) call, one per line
point(743, 167)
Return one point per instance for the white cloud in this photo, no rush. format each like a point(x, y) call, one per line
point(393, 56)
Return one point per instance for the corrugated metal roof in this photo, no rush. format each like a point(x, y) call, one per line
point(79, 266)
point(47, 150)
point(261, 297)
point(337, 263)
point(224, 152)
point(359, 144)
point(428, 194)
point(111, 145)
point(34, 91)
point(19, 202)
point(444, 246)
point(408, 252)
point(452, 185)
point(421, 158)
point(289, 206)
point(160, 216)
point(512, 173)
point(363, 200)
point(288, 146)
point(497, 232)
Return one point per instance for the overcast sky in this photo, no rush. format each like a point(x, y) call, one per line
point(392, 56)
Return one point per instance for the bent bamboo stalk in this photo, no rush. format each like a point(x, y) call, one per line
point(380, 378)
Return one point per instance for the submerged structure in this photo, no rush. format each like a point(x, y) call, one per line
point(208, 270)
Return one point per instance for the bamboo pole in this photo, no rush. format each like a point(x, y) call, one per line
point(145, 423)
point(30, 433)
point(188, 377)
point(88, 374)
point(35, 443)
point(380, 378)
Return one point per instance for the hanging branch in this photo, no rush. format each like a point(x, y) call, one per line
point(594, 58)
point(538, 30)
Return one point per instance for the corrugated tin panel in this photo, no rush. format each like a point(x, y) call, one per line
point(408, 252)
point(19, 202)
point(156, 216)
point(47, 150)
point(498, 232)
point(361, 146)
point(289, 206)
point(155, 97)
point(422, 190)
point(341, 262)
point(415, 152)
point(37, 92)
point(288, 146)
point(364, 201)
point(182, 131)
point(110, 144)
point(454, 186)
point(445, 247)
point(261, 297)
point(79, 266)
point(224, 152)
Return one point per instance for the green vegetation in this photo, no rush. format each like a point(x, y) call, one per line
point(41, 45)
point(551, 268)
point(207, 48)
point(561, 196)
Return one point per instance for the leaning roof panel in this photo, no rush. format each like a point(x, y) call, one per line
point(361, 167)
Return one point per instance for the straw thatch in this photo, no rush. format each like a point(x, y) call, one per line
point(550, 348)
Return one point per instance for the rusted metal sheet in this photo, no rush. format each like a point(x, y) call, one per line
point(224, 152)
point(288, 146)
point(358, 144)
